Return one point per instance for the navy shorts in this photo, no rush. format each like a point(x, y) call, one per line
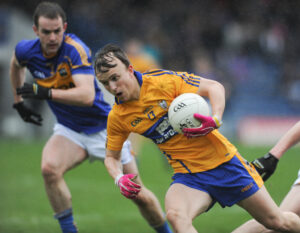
point(227, 184)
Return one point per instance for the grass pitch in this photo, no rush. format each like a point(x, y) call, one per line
point(98, 206)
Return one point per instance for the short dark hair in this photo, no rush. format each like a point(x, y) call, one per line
point(49, 10)
point(104, 57)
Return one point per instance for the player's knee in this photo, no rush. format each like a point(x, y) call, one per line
point(177, 219)
point(50, 172)
point(280, 224)
point(289, 223)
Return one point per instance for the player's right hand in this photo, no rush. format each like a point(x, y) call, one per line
point(128, 188)
point(27, 114)
point(265, 165)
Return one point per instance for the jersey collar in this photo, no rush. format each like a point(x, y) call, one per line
point(139, 77)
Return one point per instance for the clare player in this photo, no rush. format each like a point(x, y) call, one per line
point(266, 165)
point(207, 167)
point(60, 64)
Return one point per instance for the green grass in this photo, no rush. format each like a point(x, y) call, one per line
point(98, 205)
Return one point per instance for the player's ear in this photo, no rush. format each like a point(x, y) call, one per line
point(130, 68)
point(65, 26)
point(35, 29)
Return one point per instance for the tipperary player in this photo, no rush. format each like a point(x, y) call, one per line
point(207, 167)
point(60, 64)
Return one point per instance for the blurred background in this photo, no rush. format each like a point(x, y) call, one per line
point(251, 47)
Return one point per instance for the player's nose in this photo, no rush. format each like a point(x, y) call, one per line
point(52, 36)
point(112, 86)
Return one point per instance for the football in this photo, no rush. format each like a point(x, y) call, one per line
point(182, 109)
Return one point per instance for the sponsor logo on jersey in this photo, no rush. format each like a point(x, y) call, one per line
point(163, 132)
point(163, 104)
point(136, 121)
point(148, 109)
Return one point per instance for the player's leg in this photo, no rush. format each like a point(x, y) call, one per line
point(148, 203)
point(59, 155)
point(291, 202)
point(262, 208)
point(183, 204)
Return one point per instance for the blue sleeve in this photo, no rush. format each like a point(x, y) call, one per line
point(81, 60)
point(21, 52)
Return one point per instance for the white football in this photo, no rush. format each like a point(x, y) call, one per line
point(182, 109)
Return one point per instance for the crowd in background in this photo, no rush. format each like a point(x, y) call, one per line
point(250, 46)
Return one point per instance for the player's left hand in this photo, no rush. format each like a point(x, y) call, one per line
point(265, 165)
point(34, 91)
point(128, 188)
point(208, 124)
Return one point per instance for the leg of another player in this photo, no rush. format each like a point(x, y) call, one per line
point(148, 203)
point(291, 202)
point(183, 204)
point(262, 207)
point(60, 155)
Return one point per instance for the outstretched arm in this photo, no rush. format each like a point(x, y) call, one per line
point(128, 187)
point(287, 141)
point(113, 163)
point(266, 165)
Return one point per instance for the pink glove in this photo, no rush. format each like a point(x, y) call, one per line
point(208, 124)
point(128, 188)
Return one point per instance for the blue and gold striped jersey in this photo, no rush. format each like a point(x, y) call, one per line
point(74, 57)
point(148, 116)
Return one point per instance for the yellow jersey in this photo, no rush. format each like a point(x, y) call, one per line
point(148, 116)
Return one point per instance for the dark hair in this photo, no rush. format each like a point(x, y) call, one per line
point(104, 56)
point(49, 10)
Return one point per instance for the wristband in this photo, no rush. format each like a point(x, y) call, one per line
point(218, 121)
point(118, 177)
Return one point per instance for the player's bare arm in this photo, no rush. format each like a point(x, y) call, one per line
point(128, 187)
point(83, 94)
point(287, 141)
point(113, 163)
point(17, 77)
point(267, 164)
point(216, 93)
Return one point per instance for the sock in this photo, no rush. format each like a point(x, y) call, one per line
point(66, 221)
point(163, 228)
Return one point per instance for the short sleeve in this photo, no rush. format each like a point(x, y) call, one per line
point(116, 134)
point(80, 55)
point(21, 52)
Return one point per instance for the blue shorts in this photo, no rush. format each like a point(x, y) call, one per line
point(227, 184)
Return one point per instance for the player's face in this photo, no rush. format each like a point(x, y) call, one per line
point(50, 32)
point(120, 81)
